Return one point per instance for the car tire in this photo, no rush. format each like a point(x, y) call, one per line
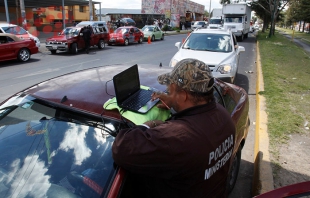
point(153, 38)
point(162, 37)
point(140, 39)
point(233, 171)
point(53, 51)
point(101, 44)
point(23, 55)
point(74, 48)
point(126, 42)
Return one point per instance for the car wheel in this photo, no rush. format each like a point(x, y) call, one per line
point(162, 37)
point(153, 38)
point(74, 49)
point(233, 171)
point(23, 55)
point(140, 39)
point(126, 42)
point(53, 51)
point(101, 44)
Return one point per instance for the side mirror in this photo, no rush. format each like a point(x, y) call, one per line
point(178, 45)
point(241, 49)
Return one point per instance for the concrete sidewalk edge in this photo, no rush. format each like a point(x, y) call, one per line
point(263, 177)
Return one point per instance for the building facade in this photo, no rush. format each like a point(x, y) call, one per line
point(175, 10)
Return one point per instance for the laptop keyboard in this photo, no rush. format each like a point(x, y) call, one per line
point(140, 99)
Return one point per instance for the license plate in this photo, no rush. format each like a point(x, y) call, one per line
point(54, 47)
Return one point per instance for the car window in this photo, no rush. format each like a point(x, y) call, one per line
point(137, 30)
point(57, 148)
point(14, 30)
point(208, 42)
point(70, 31)
point(3, 39)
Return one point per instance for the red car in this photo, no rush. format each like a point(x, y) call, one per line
point(56, 137)
point(125, 35)
point(12, 47)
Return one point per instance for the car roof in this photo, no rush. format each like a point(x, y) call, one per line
point(14, 37)
point(215, 31)
point(7, 24)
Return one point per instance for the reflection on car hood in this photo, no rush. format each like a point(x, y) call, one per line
point(212, 58)
point(61, 37)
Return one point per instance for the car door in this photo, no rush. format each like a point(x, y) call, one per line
point(131, 35)
point(137, 34)
point(6, 51)
point(157, 33)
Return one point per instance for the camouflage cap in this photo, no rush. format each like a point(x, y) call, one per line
point(189, 74)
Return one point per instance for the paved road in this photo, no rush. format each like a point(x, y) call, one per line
point(15, 76)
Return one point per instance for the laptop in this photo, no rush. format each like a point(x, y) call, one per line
point(128, 93)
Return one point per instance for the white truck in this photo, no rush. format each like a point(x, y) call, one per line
point(216, 20)
point(237, 17)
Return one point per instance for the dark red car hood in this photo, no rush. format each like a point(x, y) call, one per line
point(61, 37)
point(96, 85)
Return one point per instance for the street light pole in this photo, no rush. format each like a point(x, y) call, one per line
point(209, 13)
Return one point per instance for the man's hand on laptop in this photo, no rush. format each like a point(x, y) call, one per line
point(161, 96)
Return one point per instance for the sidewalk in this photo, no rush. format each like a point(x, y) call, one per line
point(298, 41)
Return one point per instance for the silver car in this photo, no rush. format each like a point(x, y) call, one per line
point(217, 48)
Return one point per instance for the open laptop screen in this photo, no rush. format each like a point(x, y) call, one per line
point(126, 83)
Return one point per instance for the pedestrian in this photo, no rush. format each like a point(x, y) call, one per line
point(188, 155)
point(87, 37)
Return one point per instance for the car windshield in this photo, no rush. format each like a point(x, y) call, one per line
point(233, 19)
point(70, 31)
point(215, 21)
point(209, 42)
point(199, 23)
point(121, 30)
point(14, 30)
point(148, 29)
point(47, 150)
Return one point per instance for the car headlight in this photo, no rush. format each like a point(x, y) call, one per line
point(224, 69)
point(173, 62)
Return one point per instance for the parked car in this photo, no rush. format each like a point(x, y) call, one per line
point(301, 190)
point(125, 35)
point(18, 31)
point(127, 22)
point(56, 137)
point(153, 31)
point(12, 47)
point(71, 39)
point(217, 48)
point(198, 24)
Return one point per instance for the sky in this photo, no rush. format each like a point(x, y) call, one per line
point(136, 4)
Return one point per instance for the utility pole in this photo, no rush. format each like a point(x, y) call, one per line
point(23, 14)
point(6, 11)
point(63, 15)
point(91, 10)
point(209, 13)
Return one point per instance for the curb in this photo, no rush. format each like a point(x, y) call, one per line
point(263, 177)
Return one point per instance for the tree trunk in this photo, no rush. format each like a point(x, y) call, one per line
point(303, 26)
point(299, 26)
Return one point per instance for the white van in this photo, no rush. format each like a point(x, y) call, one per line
point(98, 24)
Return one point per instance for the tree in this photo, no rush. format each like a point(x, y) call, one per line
point(271, 7)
